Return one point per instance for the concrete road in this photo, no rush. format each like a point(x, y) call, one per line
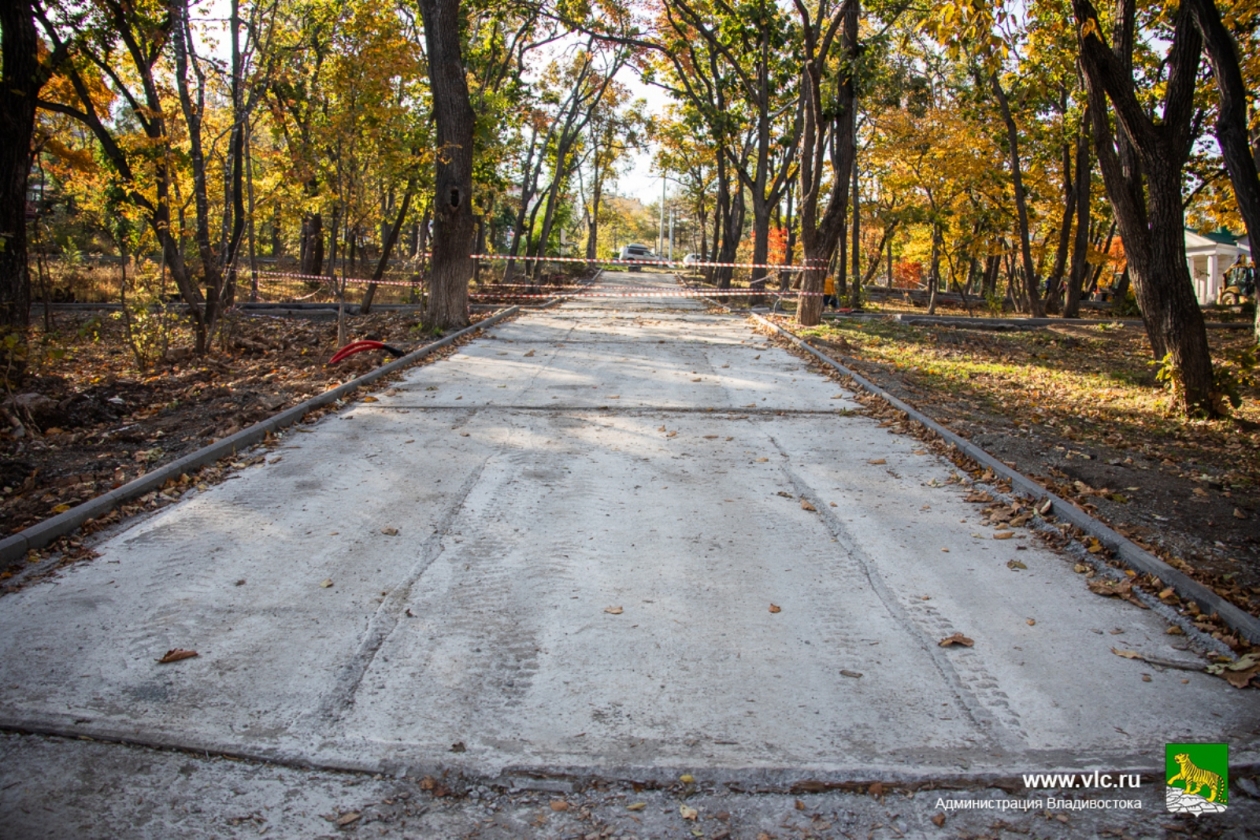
point(626, 538)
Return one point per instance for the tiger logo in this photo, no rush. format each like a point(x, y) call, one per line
point(1195, 778)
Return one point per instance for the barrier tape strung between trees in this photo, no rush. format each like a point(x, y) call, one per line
point(507, 258)
point(689, 293)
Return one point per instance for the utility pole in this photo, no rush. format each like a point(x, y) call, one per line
point(671, 235)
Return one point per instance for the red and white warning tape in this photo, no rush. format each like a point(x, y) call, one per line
point(690, 293)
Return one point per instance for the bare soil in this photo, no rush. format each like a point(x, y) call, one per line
point(90, 420)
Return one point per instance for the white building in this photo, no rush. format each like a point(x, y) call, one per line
point(1210, 256)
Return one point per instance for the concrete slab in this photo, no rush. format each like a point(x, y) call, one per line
point(641, 455)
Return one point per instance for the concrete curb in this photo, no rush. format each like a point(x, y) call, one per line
point(568, 778)
point(1128, 552)
point(41, 534)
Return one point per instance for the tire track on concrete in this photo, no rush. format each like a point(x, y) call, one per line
point(986, 720)
point(386, 617)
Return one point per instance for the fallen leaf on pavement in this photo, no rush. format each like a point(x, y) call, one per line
point(369, 399)
point(672, 434)
point(614, 610)
point(1032, 622)
point(956, 639)
point(1122, 589)
point(1238, 514)
point(390, 532)
point(875, 462)
point(807, 506)
point(326, 582)
point(686, 778)
point(176, 654)
point(1240, 672)
point(1127, 654)
point(938, 820)
point(61, 508)
point(530, 353)
point(847, 673)
point(688, 813)
point(774, 608)
point(1015, 564)
point(347, 819)
point(1003, 535)
point(636, 806)
point(559, 805)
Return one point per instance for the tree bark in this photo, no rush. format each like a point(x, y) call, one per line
point(1035, 304)
point(827, 127)
point(387, 248)
point(1080, 247)
point(20, 81)
point(1054, 282)
point(1151, 220)
point(453, 221)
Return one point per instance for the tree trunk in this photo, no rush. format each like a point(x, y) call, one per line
point(193, 112)
point(453, 221)
point(1035, 305)
point(1080, 248)
point(934, 271)
point(826, 131)
point(1145, 190)
point(386, 249)
point(855, 296)
point(311, 245)
point(20, 82)
point(1054, 282)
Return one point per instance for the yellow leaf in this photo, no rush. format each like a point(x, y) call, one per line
point(1127, 654)
point(637, 806)
point(686, 778)
point(614, 610)
point(370, 399)
point(61, 508)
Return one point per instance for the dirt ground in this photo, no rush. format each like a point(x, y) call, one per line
point(91, 420)
point(1079, 409)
